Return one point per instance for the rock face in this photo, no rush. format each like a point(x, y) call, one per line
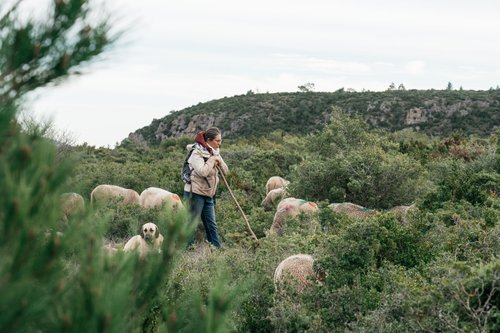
point(415, 116)
point(184, 126)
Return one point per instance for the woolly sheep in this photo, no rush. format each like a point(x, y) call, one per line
point(289, 208)
point(295, 271)
point(401, 212)
point(273, 198)
point(155, 197)
point(352, 210)
point(109, 247)
point(71, 203)
point(276, 182)
point(104, 192)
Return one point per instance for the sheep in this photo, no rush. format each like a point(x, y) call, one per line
point(352, 210)
point(104, 192)
point(289, 208)
point(71, 203)
point(401, 212)
point(296, 271)
point(155, 197)
point(109, 247)
point(273, 198)
point(276, 182)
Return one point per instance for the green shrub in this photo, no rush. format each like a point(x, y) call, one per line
point(464, 297)
point(474, 181)
point(357, 166)
point(66, 282)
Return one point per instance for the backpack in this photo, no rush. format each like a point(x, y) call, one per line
point(186, 170)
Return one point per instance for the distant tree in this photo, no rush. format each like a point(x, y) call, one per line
point(401, 87)
point(307, 87)
point(392, 86)
point(449, 86)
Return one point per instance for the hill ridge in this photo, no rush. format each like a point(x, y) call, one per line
point(433, 112)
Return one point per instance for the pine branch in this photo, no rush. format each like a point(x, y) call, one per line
point(34, 55)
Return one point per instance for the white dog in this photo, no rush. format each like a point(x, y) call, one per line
point(149, 237)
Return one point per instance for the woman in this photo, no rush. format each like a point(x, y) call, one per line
point(205, 162)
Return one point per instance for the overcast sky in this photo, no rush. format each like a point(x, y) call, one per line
point(180, 53)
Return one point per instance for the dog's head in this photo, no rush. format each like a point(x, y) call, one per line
point(149, 231)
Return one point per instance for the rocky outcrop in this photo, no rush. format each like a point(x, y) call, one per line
point(416, 116)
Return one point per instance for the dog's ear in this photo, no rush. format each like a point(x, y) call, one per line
point(157, 232)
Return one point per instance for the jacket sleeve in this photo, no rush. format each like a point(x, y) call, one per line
point(199, 165)
point(223, 167)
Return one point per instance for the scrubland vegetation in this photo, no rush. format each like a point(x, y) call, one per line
point(438, 270)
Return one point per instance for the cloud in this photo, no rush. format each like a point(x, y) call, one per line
point(180, 53)
point(416, 67)
point(321, 65)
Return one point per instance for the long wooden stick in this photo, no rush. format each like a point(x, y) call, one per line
point(237, 204)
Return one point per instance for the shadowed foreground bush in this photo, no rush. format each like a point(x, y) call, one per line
point(55, 282)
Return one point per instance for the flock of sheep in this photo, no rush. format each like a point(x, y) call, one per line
point(150, 197)
point(149, 235)
point(296, 268)
point(297, 271)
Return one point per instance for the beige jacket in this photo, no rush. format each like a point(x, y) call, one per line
point(204, 175)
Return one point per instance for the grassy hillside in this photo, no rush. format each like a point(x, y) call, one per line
point(433, 112)
point(435, 270)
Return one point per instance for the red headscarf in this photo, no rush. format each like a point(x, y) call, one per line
point(200, 138)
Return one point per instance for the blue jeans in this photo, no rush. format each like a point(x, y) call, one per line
point(203, 207)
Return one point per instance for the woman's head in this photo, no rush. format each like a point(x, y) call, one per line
point(213, 137)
